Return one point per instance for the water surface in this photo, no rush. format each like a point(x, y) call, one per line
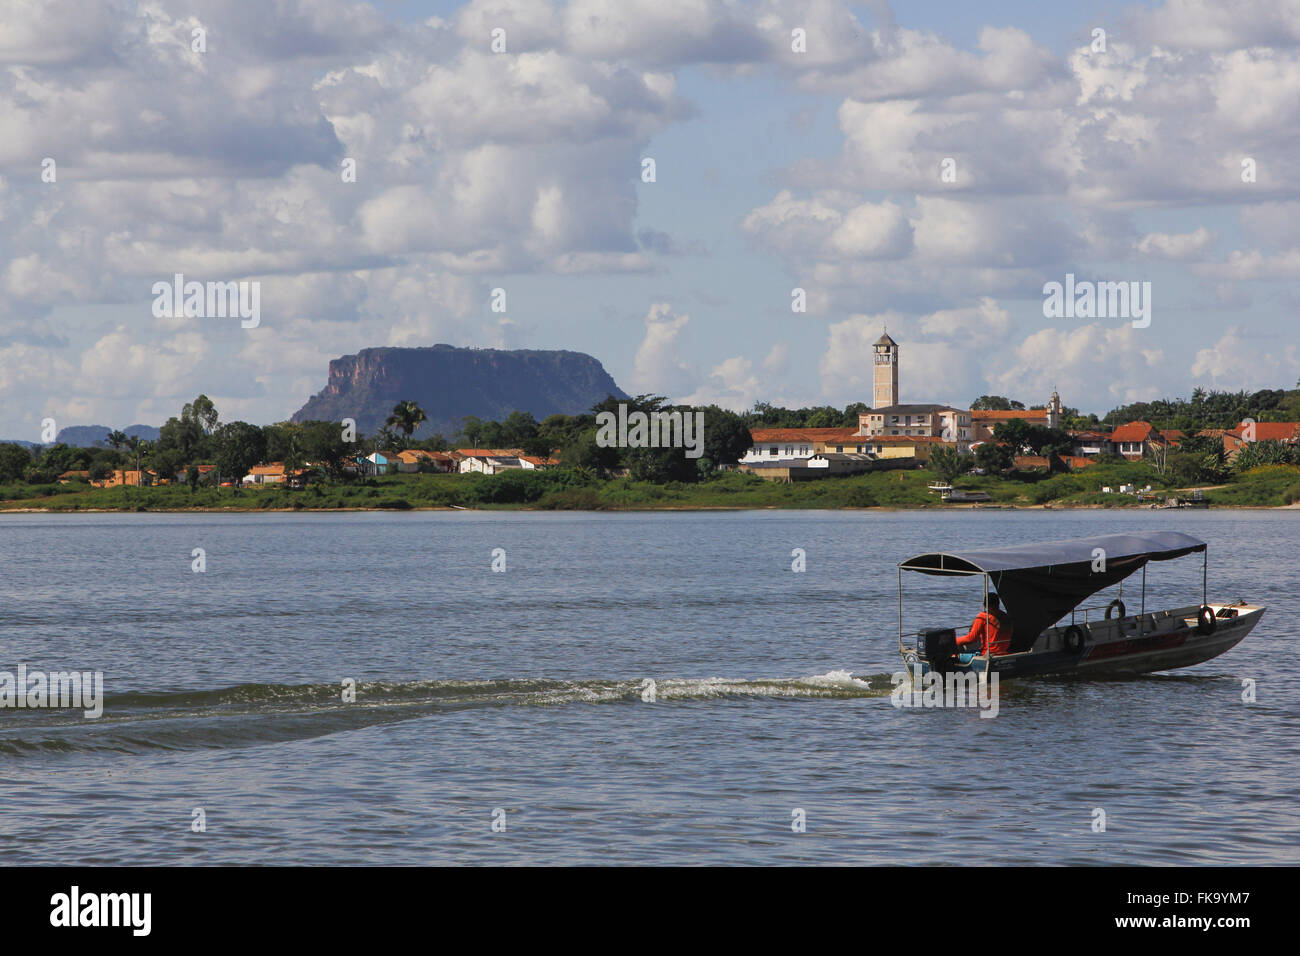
point(523, 691)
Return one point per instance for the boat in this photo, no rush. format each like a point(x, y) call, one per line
point(939, 487)
point(957, 496)
point(1043, 587)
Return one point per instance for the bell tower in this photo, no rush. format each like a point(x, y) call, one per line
point(885, 380)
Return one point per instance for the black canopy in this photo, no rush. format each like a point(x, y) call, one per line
point(1041, 583)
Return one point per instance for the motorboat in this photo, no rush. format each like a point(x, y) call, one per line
point(958, 496)
point(1042, 585)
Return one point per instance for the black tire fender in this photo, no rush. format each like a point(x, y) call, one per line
point(1116, 605)
point(1206, 622)
point(1075, 640)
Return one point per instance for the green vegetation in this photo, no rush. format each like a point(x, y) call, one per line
point(560, 489)
point(596, 477)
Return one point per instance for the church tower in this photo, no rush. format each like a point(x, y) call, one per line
point(885, 381)
point(1054, 410)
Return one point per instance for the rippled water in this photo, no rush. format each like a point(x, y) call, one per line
point(524, 691)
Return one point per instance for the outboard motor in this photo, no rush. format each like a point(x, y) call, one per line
point(936, 646)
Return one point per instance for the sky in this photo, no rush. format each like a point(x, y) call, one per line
point(927, 167)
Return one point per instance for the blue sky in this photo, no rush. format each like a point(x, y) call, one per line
point(520, 170)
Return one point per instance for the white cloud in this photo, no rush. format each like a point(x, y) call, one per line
point(1090, 365)
point(658, 366)
point(731, 384)
point(1241, 359)
point(1184, 245)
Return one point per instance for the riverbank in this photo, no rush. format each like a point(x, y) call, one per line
point(1274, 486)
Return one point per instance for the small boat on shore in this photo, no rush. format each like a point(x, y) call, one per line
point(1041, 584)
point(957, 496)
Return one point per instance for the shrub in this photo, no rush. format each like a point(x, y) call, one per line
point(571, 499)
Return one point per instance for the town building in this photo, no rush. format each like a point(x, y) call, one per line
point(884, 391)
point(1235, 439)
point(952, 425)
point(776, 444)
point(492, 461)
point(983, 421)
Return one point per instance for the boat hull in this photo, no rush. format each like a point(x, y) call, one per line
point(1139, 644)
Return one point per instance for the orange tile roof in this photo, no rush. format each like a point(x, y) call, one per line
point(1270, 431)
point(274, 468)
point(1005, 416)
point(759, 435)
point(415, 454)
point(1133, 432)
point(902, 439)
point(490, 452)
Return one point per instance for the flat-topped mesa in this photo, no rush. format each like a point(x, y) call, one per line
point(450, 383)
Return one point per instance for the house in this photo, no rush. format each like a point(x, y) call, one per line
point(1089, 442)
point(1135, 439)
point(915, 448)
point(70, 476)
point(775, 444)
point(984, 421)
point(272, 474)
point(417, 459)
point(491, 461)
point(1075, 462)
point(130, 478)
point(1235, 439)
point(924, 421)
point(376, 463)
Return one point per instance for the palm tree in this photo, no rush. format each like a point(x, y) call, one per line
point(117, 440)
point(407, 416)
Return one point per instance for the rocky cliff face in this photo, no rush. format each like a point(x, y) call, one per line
point(450, 383)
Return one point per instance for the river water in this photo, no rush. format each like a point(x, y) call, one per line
point(505, 717)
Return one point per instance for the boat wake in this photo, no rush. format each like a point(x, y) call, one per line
point(246, 715)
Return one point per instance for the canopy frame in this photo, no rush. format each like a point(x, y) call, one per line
point(1134, 551)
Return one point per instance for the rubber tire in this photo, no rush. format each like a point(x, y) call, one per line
point(1206, 622)
point(1117, 603)
point(1075, 640)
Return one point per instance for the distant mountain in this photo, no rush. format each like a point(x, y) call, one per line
point(450, 383)
point(88, 436)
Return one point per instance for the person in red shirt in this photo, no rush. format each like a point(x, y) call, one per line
point(991, 627)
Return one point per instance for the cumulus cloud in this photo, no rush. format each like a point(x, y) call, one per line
point(1185, 245)
point(1240, 357)
point(964, 178)
point(658, 365)
point(1093, 361)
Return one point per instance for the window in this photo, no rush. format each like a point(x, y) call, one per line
point(772, 450)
